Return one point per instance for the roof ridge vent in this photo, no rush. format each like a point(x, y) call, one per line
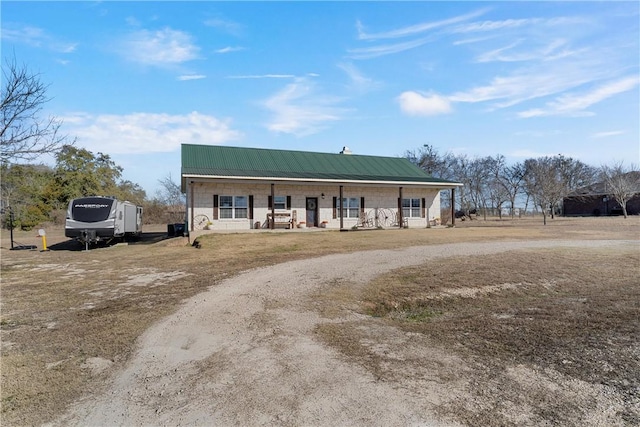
point(345, 150)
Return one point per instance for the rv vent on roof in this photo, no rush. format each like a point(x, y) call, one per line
point(345, 150)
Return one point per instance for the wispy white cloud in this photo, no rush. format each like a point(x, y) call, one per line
point(483, 26)
point(554, 63)
point(359, 81)
point(263, 76)
point(226, 25)
point(506, 24)
point(577, 104)
point(230, 49)
point(410, 32)
point(387, 49)
point(36, 37)
point(159, 48)
point(535, 82)
point(550, 51)
point(529, 39)
point(132, 21)
point(147, 132)
point(299, 109)
point(531, 83)
point(473, 40)
point(607, 134)
point(414, 29)
point(418, 104)
point(187, 77)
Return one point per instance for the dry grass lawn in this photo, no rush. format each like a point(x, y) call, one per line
point(68, 314)
point(544, 314)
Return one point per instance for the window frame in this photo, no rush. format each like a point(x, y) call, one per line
point(349, 211)
point(280, 203)
point(238, 208)
point(410, 209)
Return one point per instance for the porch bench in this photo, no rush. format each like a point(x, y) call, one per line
point(280, 220)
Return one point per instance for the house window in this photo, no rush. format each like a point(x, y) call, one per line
point(233, 207)
point(411, 208)
point(351, 207)
point(280, 202)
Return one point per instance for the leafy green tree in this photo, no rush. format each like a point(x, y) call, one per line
point(38, 193)
point(22, 188)
point(132, 192)
point(80, 173)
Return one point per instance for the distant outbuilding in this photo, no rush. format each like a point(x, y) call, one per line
point(597, 199)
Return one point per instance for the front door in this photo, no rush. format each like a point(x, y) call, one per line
point(312, 211)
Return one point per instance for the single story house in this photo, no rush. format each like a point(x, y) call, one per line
point(233, 188)
point(596, 200)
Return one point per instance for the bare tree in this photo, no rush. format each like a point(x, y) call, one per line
point(170, 193)
point(621, 182)
point(574, 173)
point(543, 183)
point(511, 179)
point(496, 192)
point(478, 182)
point(171, 197)
point(549, 179)
point(23, 133)
point(435, 164)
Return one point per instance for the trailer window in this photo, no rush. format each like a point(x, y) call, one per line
point(91, 209)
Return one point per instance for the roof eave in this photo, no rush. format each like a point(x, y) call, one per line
point(441, 185)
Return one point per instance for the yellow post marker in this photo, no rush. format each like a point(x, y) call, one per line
point(43, 234)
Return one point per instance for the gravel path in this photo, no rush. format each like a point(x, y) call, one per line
point(243, 353)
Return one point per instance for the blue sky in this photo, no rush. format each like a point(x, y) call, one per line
point(524, 79)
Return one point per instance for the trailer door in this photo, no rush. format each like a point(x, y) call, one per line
point(130, 220)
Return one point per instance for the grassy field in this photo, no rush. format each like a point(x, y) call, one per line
point(575, 313)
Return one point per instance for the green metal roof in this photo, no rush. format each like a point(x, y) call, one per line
point(220, 161)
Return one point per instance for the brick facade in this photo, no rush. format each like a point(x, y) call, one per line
point(596, 205)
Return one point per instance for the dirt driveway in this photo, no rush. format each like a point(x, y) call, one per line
point(245, 353)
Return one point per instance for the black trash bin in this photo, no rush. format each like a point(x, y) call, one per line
point(178, 229)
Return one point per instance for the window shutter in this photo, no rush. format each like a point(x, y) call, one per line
point(424, 207)
point(362, 206)
point(288, 202)
point(250, 207)
point(270, 202)
point(335, 212)
point(215, 206)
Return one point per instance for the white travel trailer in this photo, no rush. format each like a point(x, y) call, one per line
point(94, 219)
